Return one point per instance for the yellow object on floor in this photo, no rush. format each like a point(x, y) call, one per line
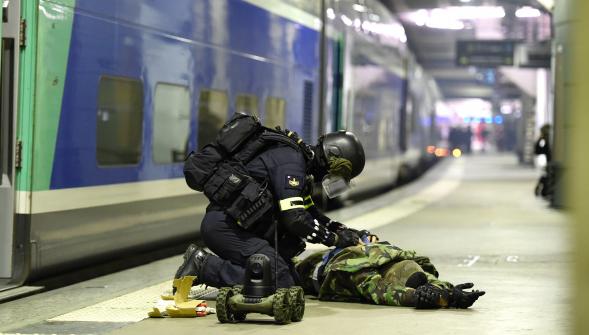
point(181, 306)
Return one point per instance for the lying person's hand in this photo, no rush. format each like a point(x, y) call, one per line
point(461, 298)
point(367, 236)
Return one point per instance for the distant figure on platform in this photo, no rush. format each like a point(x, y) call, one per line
point(545, 185)
point(484, 133)
point(542, 146)
point(468, 139)
point(382, 274)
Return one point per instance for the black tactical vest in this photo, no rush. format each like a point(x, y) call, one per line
point(218, 169)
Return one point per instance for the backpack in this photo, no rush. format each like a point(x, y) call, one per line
point(218, 169)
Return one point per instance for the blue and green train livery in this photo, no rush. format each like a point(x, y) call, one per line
point(101, 101)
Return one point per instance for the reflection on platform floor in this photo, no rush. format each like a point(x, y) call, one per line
point(476, 217)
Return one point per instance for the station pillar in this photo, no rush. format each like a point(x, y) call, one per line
point(571, 142)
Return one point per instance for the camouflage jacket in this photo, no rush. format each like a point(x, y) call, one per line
point(356, 258)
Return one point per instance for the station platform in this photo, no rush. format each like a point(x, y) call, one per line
point(476, 217)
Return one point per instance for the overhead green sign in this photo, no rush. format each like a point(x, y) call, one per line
point(485, 53)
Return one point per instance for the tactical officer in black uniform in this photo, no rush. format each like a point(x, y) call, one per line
point(289, 174)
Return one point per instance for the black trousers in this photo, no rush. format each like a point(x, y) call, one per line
point(233, 246)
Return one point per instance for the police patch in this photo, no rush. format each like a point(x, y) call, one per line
point(293, 182)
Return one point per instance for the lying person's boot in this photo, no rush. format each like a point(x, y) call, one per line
point(429, 296)
point(416, 279)
point(194, 261)
point(459, 298)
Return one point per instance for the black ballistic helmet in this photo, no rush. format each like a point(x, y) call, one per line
point(346, 145)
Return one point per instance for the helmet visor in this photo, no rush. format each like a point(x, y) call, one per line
point(334, 185)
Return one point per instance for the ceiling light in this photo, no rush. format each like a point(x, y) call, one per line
point(527, 11)
point(394, 30)
point(346, 20)
point(374, 17)
point(420, 17)
point(476, 12)
point(359, 8)
point(330, 13)
point(453, 17)
point(445, 23)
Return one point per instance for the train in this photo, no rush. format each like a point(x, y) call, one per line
point(102, 100)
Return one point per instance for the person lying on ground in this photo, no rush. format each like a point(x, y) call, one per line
point(380, 273)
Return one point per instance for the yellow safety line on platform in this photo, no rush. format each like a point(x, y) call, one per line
point(132, 307)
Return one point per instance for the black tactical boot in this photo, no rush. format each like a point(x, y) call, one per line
point(194, 261)
point(416, 279)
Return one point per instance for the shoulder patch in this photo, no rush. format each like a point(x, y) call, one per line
point(293, 181)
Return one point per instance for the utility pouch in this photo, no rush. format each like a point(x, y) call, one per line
point(237, 131)
point(199, 166)
point(226, 183)
point(250, 205)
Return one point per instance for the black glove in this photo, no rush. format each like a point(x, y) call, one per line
point(336, 227)
point(459, 298)
point(346, 238)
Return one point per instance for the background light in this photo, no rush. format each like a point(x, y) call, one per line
point(359, 8)
point(527, 11)
point(346, 20)
point(330, 13)
point(452, 17)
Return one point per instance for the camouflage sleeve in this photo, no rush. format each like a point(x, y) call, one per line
point(426, 265)
point(439, 283)
point(432, 273)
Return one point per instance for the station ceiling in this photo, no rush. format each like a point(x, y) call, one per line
point(434, 43)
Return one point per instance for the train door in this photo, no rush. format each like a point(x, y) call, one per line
point(8, 106)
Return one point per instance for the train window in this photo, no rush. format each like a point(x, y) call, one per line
point(275, 112)
point(247, 103)
point(119, 121)
point(171, 123)
point(212, 114)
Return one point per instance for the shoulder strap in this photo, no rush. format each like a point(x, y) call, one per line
point(261, 142)
point(294, 138)
point(269, 137)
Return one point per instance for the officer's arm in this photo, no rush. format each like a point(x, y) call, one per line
point(330, 224)
point(288, 182)
point(294, 218)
